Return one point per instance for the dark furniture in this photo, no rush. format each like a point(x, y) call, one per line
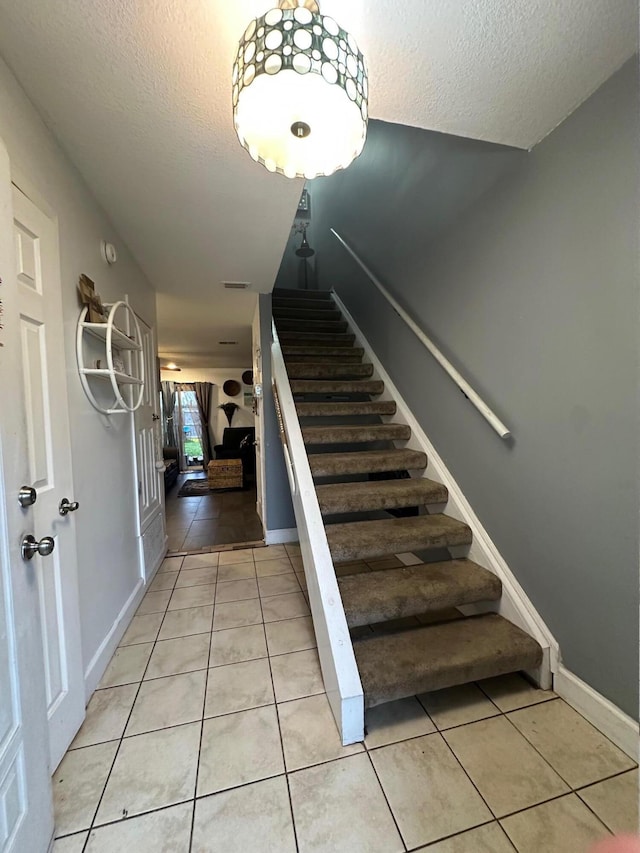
point(172, 469)
point(238, 443)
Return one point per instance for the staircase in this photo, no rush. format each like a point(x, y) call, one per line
point(408, 635)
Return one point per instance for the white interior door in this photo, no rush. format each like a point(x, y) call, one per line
point(149, 460)
point(49, 469)
point(26, 812)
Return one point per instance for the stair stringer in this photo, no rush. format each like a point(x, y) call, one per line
point(514, 604)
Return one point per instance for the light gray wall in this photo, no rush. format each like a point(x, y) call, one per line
point(524, 268)
point(103, 463)
point(278, 494)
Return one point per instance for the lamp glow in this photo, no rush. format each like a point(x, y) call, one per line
point(300, 92)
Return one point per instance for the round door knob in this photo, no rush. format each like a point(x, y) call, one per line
point(27, 496)
point(30, 547)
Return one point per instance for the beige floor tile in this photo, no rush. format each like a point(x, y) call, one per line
point(237, 614)
point(271, 552)
point(236, 591)
point(302, 581)
point(237, 644)
point(510, 692)
point(408, 559)
point(457, 706)
point(164, 831)
point(293, 549)
point(339, 808)
point(184, 654)
point(309, 733)
point(298, 564)
point(127, 665)
point(296, 675)
point(291, 635)
point(151, 771)
point(243, 555)
point(169, 701)
point(154, 602)
point(142, 629)
point(171, 564)
point(396, 721)
point(200, 561)
point(70, 844)
point(485, 839)
point(163, 581)
point(561, 826)
point(182, 623)
point(573, 747)
point(270, 568)
point(192, 596)
point(238, 687)
point(278, 585)
point(236, 572)
point(239, 748)
point(284, 607)
point(197, 577)
point(505, 768)
point(256, 817)
point(428, 791)
point(78, 784)
point(615, 801)
point(107, 715)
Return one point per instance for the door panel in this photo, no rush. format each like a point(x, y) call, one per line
point(46, 414)
point(26, 813)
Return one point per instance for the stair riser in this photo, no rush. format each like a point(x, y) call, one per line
point(330, 358)
point(333, 410)
point(296, 370)
point(322, 353)
point(312, 326)
point(321, 386)
point(360, 434)
point(305, 314)
point(292, 293)
point(304, 304)
point(316, 339)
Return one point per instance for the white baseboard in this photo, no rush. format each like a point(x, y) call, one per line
point(514, 604)
point(600, 712)
point(280, 537)
point(100, 660)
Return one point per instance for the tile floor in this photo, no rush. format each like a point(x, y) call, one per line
point(211, 733)
point(220, 518)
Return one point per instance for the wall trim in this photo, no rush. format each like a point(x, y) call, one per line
point(514, 604)
point(282, 536)
point(599, 711)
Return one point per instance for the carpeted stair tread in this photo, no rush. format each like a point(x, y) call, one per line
point(349, 434)
point(366, 462)
point(362, 540)
point(304, 314)
point(294, 293)
point(312, 325)
point(328, 370)
point(327, 354)
point(317, 339)
point(324, 386)
point(333, 410)
point(396, 665)
point(379, 596)
point(335, 498)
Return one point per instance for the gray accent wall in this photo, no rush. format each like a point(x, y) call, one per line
point(278, 493)
point(523, 268)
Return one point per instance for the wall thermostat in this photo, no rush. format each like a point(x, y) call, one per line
point(109, 252)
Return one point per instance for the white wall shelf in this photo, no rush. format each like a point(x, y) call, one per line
point(120, 340)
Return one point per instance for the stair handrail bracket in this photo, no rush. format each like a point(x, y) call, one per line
point(335, 649)
point(487, 413)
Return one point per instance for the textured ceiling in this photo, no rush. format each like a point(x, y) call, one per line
point(138, 94)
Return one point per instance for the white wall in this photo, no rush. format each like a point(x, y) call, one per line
point(102, 457)
point(218, 376)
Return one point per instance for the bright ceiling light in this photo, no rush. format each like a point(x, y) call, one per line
point(171, 366)
point(300, 92)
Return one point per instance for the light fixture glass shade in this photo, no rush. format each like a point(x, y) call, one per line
point(300, 93)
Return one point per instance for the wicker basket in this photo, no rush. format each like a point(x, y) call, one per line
point(225, 474)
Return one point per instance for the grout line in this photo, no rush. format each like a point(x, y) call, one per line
point(384, 794)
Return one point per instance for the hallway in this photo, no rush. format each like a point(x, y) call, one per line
point(211, 733)
point(217, 518)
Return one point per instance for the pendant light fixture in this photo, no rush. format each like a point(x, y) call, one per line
point(305, 251)
point(300, 92)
